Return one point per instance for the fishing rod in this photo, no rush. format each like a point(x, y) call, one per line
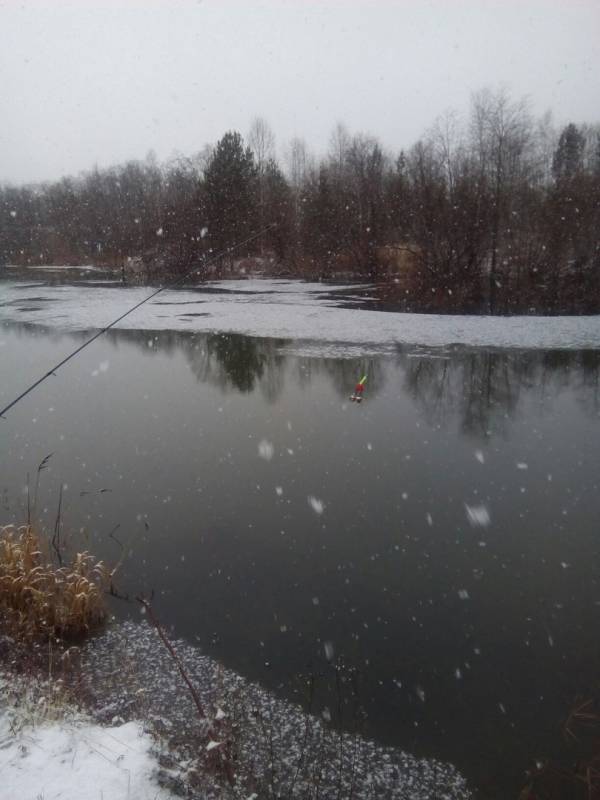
point(99, 333)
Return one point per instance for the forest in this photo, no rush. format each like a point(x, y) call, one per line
point(494, 211)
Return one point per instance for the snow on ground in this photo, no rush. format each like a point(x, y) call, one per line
point(68, 756)
point(310, 314)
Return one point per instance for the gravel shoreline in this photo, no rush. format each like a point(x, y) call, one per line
point(276, 749)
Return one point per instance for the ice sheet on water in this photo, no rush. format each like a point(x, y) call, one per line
point(308, 313)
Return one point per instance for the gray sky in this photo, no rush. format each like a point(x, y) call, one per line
point(101, 82)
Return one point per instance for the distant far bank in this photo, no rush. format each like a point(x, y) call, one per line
point(492, 212)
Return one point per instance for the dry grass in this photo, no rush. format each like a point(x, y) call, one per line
point(40, 599)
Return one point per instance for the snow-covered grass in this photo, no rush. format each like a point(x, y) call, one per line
point(50, 750)
point(310, 314)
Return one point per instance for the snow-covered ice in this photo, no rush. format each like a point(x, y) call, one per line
point(310, 314)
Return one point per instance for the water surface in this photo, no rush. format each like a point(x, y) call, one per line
point(441, 537)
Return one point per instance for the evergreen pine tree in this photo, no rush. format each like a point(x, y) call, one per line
point(568, 158)
point(229, 192)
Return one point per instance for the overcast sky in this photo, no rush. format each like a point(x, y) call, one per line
point(101, 82)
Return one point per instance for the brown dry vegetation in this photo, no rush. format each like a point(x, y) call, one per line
point(41, 599)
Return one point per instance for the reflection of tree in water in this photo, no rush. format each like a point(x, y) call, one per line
point(483, 388)
point(151, 342)
point(240, 360)
point(490, 391)
point(590, 382)
point(232, 360)
point(226, 360)
point(428, 382)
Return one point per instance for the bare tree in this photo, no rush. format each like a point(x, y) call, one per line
point(298, 162)
point(446, 137)
point(339, 144)
point(261, 140)
point(501, 136)
point(545, 143)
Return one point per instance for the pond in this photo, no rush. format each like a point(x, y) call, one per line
point(441, 538)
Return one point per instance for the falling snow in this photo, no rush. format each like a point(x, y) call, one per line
point(478, 516)
point(266, 449)
point(318, 506)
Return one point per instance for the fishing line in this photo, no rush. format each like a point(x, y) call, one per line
point(130, 311)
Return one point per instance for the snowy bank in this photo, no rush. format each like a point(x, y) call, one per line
point(66, 755)
point(49, 750)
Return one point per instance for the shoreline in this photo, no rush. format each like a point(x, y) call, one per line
point(124, 675)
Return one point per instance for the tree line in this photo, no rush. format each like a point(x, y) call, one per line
point(494, 211)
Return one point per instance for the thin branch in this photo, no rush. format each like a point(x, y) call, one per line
point(56, 537)
point(159, 629)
